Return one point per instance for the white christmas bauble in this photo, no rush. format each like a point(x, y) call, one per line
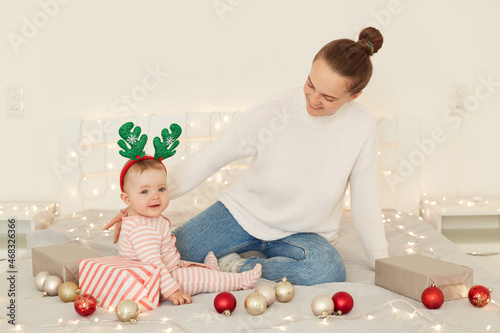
point(51, 285)
point(127, 310)
point(322, 305)
point(268, 292)
point(40, 279)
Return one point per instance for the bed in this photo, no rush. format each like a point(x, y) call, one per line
point(88, 169)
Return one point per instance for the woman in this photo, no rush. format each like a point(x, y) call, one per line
point(307, 145)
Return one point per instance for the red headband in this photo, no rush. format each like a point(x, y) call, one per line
point(130, 163)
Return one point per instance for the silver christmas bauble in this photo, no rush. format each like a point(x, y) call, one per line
point(322, 305)
point(40, 279)
point(268, 292)
point(127, 310)
point(51, 285)
point(255, 303)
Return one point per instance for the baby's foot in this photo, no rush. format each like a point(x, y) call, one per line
point(249, 278)
point(211, 261)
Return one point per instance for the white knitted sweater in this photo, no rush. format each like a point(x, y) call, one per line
point(299, 173)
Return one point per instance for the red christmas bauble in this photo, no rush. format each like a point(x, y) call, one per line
point(85, 304)
point(225, 303)
point(433, 297)
point(343, 302)
point(479, 296)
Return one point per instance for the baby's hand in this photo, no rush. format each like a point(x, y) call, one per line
point(180, 297)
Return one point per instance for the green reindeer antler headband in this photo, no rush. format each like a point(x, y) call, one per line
point(132, 136)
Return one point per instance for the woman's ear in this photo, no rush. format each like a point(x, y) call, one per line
point(125, 198)
point(353, 97)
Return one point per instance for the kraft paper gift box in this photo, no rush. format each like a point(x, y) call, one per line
point(62, 260)
point(112, 279)
point(410, 275)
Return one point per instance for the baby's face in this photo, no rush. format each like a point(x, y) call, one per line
point(146, 193)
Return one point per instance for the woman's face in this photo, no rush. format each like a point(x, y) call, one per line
point(325, 90)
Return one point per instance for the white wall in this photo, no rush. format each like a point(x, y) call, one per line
point(226, 55)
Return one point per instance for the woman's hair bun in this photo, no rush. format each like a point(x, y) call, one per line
point(371, 40)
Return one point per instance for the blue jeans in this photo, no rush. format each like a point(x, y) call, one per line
point(304, 258)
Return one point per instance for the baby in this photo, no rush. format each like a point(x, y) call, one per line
point(146, 236)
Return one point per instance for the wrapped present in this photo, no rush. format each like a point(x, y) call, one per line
point(410, 275)
point(112, 279)
point(62, 260)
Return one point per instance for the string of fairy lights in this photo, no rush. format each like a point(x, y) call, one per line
point(24, 209)
point(399, 308)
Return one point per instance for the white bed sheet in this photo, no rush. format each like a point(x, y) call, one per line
point(375, 309)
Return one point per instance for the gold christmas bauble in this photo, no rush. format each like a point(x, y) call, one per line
point(255, 303)
point(68, 291)
point(284, 291)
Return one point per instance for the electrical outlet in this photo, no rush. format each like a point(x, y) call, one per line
point(14, 102)
point(458, 93)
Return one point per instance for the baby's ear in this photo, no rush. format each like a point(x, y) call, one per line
point(125, 198)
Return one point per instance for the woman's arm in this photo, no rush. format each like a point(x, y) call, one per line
point(195, 169)
point(117, 222)
point(365, 201)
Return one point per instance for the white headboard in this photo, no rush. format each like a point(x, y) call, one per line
point(89, 164)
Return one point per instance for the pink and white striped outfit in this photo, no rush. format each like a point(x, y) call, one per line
point(150, 240)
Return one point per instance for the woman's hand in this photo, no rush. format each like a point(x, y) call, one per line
point(118, 221)
point(180, 297)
